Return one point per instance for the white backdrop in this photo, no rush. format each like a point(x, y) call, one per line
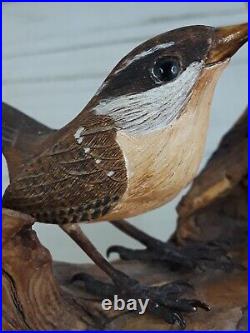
point(55, 56)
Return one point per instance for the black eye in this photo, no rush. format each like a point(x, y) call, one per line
point(166, 70)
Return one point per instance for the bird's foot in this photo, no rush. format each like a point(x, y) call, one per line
point(211, 255)
point(163, 301)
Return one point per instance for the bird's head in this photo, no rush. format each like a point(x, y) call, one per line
point(151, 85)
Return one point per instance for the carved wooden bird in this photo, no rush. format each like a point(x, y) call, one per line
point(135, 145)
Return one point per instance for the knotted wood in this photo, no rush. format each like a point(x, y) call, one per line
point(38, 293)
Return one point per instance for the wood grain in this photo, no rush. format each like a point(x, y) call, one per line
point(52, 69)
point(40, 295)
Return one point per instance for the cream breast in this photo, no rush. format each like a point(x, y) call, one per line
point(161, 163)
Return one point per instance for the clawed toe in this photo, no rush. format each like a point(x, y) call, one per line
point(168, 304)
point(94, 286)
point(163, 301)
point(192, 255)
point(174, 289)
point(191, 305)
point(183, 305)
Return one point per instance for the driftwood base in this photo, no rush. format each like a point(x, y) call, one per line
point(39, 295)
point(35, 298)
point(225, 293)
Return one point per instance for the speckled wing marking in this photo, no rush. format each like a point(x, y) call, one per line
point(79, 178)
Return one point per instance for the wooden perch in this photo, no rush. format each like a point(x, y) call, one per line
point(216, 205)
point(38, 294)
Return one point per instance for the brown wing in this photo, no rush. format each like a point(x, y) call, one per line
point(79, 178)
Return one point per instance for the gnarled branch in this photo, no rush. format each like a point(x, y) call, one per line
point(39, 295)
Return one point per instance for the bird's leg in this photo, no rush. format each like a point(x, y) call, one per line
point(189, 256)
point(164, 301)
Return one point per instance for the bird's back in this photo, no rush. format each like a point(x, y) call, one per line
point(78, 175)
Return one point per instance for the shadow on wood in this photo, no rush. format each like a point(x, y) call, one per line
point(39, 295)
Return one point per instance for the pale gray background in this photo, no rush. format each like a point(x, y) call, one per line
point(56, 55)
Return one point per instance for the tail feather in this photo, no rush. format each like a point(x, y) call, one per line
point(16, 124)
point(21, 135)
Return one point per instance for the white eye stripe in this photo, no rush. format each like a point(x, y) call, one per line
point(143, 54)
point(152, 109)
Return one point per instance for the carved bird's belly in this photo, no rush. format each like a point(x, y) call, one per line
point(161, 163)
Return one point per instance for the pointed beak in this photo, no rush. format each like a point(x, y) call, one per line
point(226, 42)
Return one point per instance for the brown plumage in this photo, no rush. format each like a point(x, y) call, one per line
point(136, 144)
point(69, 182)
point(59, 178)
